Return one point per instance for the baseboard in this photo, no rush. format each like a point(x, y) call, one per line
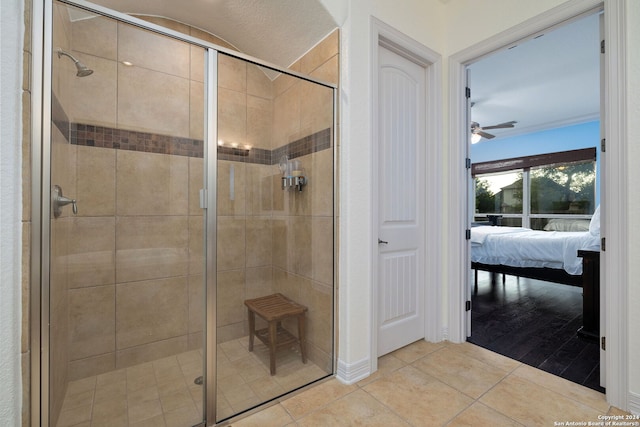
point(634, 403)
point(445, 333)
point(350, 373)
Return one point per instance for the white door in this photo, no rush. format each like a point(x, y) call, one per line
point(401, 207)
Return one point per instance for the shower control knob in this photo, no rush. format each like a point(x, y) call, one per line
point(58, 201)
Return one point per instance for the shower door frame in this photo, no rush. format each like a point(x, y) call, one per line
point(41, 85)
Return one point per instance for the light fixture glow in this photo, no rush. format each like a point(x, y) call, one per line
point(220, 142)
point(127, 63)
point(475, 138)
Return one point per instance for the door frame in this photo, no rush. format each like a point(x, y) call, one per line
point(614, 260)
point(384, 35)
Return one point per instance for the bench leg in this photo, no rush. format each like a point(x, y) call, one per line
point(302, 339)
point(252, 328)
point(272, 346)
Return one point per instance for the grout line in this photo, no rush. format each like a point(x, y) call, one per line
point(572, 385)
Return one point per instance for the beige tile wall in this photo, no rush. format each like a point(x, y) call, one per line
point(275, 240)
point(303, 252)
point(244, 208)
point(135, 266)
point(129, 273)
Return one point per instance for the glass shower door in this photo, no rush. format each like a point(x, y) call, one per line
point(125, 284)
point(126, 278)
point(275, 235)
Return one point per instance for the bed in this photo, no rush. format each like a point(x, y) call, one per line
point(544, 255)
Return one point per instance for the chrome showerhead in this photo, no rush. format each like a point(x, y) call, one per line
point(83, 70)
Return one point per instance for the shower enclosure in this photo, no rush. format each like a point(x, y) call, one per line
point(180, 181)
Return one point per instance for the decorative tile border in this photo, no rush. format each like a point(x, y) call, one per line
point(107, 137)
point(309, 144)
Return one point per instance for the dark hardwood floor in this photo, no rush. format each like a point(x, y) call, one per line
point(535, 322)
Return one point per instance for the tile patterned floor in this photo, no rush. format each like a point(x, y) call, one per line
point(163, 393)
point(244, 380)
point(423, 384)
point(158, 393)
point(443, 384)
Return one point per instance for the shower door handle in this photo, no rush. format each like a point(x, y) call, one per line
point(58, 201)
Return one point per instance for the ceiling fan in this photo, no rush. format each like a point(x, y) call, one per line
point(478, 130)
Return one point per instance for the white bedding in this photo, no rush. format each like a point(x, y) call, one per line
point(523, 247)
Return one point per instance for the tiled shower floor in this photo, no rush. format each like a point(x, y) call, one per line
point(163, 392)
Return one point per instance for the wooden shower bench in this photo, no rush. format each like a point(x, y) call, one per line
point(274, 309)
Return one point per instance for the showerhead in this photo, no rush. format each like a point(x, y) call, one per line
point(83, 70)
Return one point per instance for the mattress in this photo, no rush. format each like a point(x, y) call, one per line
point(523, 247)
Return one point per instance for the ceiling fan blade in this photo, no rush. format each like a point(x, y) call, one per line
point(485, 135)
point(501, 125)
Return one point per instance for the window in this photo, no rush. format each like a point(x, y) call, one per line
point(554, 192)
point(500, 194)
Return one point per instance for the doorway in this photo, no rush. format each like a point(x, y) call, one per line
point(614, 260)
point(536, 194)
point(181, 182)
point(406, 88)
point(402, 86)
point(530, 217)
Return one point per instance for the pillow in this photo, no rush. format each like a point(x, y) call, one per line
point(560, 224)
point(594, 225)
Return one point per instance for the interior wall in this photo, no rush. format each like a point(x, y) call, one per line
point(11, 69)
point(472, 21)
point(23, 200)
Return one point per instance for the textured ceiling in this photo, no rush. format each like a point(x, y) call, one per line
point(276, 31)
point(545, 82)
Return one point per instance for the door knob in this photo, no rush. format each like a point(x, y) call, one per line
point(382, 241)
point(58, 201)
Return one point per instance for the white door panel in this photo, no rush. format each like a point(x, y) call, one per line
point(401, 183)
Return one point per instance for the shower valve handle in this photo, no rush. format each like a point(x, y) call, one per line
point(64, 201)
point(58, 201)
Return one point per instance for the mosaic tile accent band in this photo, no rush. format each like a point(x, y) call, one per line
point(107, 137)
